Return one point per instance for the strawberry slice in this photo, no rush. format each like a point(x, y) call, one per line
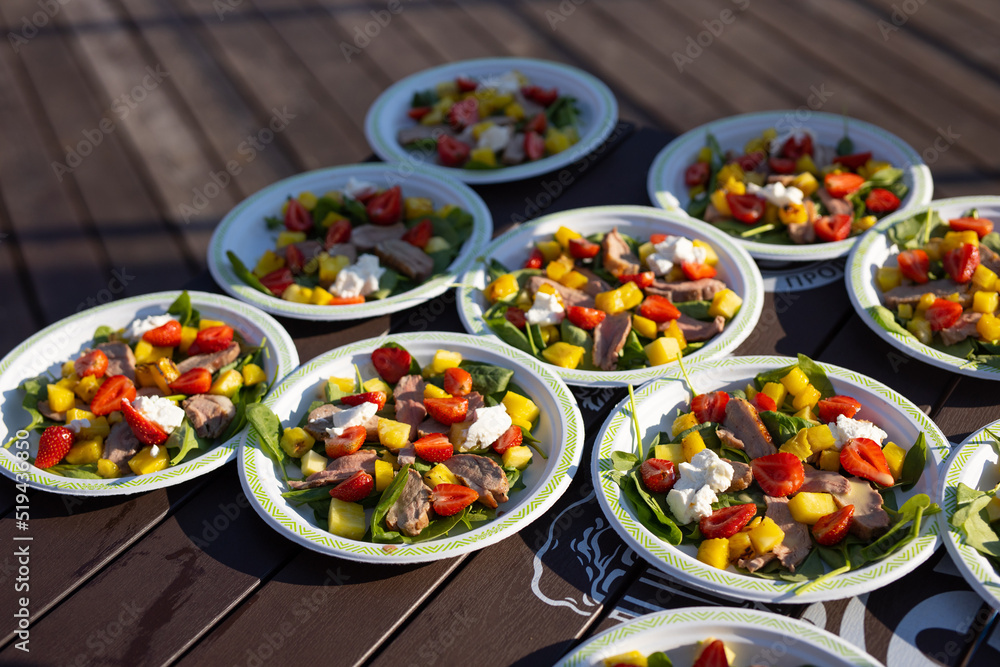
point(778, 474)
point(339, 232)
point(943, 314)
point(91, 362)
point(535, 260)
point(534, 146)
point(297, 218)
point(764, 403)
point(714, 655)
point(452, 152)
point(583, 249)
point(212, 339)
point(447, 410)
point(727, 521)
point(53, 446)
point(416, 113)
point(194, 381)
point(914, 264)
point(346, 443)
point(109, 396)
point(278, 280)
point(168, 335)
point(961, 262)
point(585, 318)
point(512, 437)
point(464, 113)
point(864, 458)
point(449, 499)
point(981, 226)
point(515, 316)
point(543, 96)
point(377, 397)
point(457, 381)
point(832, 528)
point(641, 280)
point(697, 270)
point(294, 259)
point(465, 84)
point(658, 475)
point(538, 123)
point(354, 488)
point(391, 363)
point(434, 448)
point(710, 407)
point(658, 308)
point(831, 408)
point(841, 185)
point(781, 165)
point(853, 161)
point(419, 234)
point(880, 200)
point(146, 431)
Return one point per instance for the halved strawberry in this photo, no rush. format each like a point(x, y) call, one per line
point(710, 407)
point(346, 300)
point(833, 527)
point(778, 474)
point(914, 264)
point(830, 408)
point(543, 96)
point(447, 410)
point(457, 381)
point(535, 260)
point(981, 226)
point(449, 499)
point(194, 381)
point(764, 403)
point(297, 218)
point(659, 475)
point(641, 280)
point(961, 262)
point(110, 394)
point(339, 232)
point(464, 113)
point(515, 316)
point(697, 270)
point(943, 314)
point(212, 339)
point(465, 84)
point(377, 397)
point(853, 161)
point(420, 233)
point(91, 362)
point(714, 655)
point(295, 260)
point(346, 443)
point(534, 146)
point(391, 363)
point(727, 521)
point(658, 308)
point(354, 488)
point(512, 437)
point(53, 446)
point(585, 318)
point(864, 458)
point(880, 200)
point(146, 431)
point(435, 448)
point(538, 123)
point(583, 249)
point(278, 280)
point(416, 113)
point(841, 185)
point(781, 165)
point(167, 335)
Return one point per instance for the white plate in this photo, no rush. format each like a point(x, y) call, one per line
point(974, 464)
point(735, 268)
point(665, 182)
point(560, 429)
point(244, 232)
point(657, 404)
point(874, 249)
point(598, 114)
point(756, 637)
point(49, 348)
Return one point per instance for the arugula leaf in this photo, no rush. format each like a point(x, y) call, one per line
point(913, 463)
point(487, 379)
point(186, 439)
point(887, 320)
point(244, 274)
point(389, 498)
point(268, 426)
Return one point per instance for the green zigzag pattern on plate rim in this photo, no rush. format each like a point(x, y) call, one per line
point(309, 532)
point(929, 532)
point(225, 451)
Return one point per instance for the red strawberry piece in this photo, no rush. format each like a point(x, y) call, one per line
point(391, 363)
point(914, 264)
point(194, 381)
point(864, 458)
point(109, 396)
point(457, 381)
point(450, 499)
point(145, 430)
point(346, 443)
point(961, 262)
point(778, 474)
point(781, 165)
point(880, 200)
point(465, 84)
point(91, 362)
point(420, 233)
point(53, 446)
point(710, 407)
point(583, 249)
point(534, 146)
point(447, 410)
point(641, 280)
point(832, 228)
point(212, 339)
point(539, 123)
point(764, 403)
point(543, 96)
point(376, 397)
point(416, 113)
point(339, 232)
point(832, 528)
point(981, 226)
point(434, 448)
point(841, 185)
point(697, 270)
point(585, 318)
point(830, 408)
point(658, 308)
point(714, 655)
point(297, 218)
point(452, 152)
point(515, 316)
point(512, 437)
point(798, 145)
point(278, 280)
point(535, 260)
point(727, 521)
point(658, 475)
point(854, 161)
point(294, 259)
point(464, 113)
point(386, 208)
point(354, 488)
point(943, 314)
point(167, 335)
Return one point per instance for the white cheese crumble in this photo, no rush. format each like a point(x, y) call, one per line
point(495, 138)
point(136, 330)
point(692, 496)
point(356, 189)
point(776, 193)
point(154, 450)
point(77, 425)
point(545, 309)
point(508, 82)
point(360, 278)
point(359, 415)
point(846, 429)
point(160, 411)
point(490, 424)
point(672, 251)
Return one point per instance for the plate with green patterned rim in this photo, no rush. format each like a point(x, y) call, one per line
point(665, 181)
point(976, 464)
point(49, 348)
point(657, 403)
point(244, 232)
point(595, 101)
point(874, 250)
point(755, 637)
point(560, 430)
point(735, 268)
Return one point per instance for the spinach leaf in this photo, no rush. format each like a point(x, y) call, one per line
point(185, 439)
point(783, 427)
point(510, 334)
point(35, 389)
point(624, 461)
point(244, 274)
point(659, 659)
point(355, 211)
point(913, 463)
point(632, 354)
point(389, 498)
point(572, 334)
point(664, 528)
point(273, 222)
point(306, 496)
point(103, 334)
point(494, 270)
point(437, 527)
point(696, 309)
point(268, 427)
point(887, 320)
point(991, 241)
point(424, 98)
point(487, 379)
point(182, 309)
point(970, 519)
point(845, 146)
point(75, 471)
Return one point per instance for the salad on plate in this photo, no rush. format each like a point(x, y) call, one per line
point(709, 652)
point(976, 515)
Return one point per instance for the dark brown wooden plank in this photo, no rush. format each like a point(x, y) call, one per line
point(20, 315)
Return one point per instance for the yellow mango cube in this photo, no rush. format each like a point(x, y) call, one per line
point(765, 536)
point(564, 355)
point(692, 444)
point(514, 110)
point(68, 368)
point(821, 438)
point(726, 303)
point(793, 213)
point(806, 181)
point(718, 200)
point(253, 374)
point(644, 327)
point(347, 520)
point(61, 399)
point(988, 327)
point(829, 460)
point(331, 218)
point(440, 474)
point(77, 413)
point(776, 391)
point(330, 267)
point(308, 200)
point(312, 462)
point(551, 250)
point(502, 288)
point(556, 141)
point(320, 297)
point(632, 658)
point(227, 384)
point(674, 331)
point(393, 434)
point(517, 457)
point(740, 546)
point(711, 257)
point(147, 354)
point(107, 469)
point(808, 508)
point(985, 302)
point(888, 277)
point(417, 207)
point(296, 442)
point(714, 552)
point(663, 351)
point(798, 445)
point(520, 407)
point(564, 235)
point(682, 423)
point(632, 296)
point(905, 310)
point(150, 459)
point(343, 384)
point(99, 428)
point(188, 334)
point(610, 302)
point(673, 452)
point(795, 381)
point(297, 294)
point(894, 456)
point(445, 359)
point(953, 240)
point(808, 398)
point(85, 451)
point(550, 334)
point(434, 391)
point(556, 270)
point(268, 262)
point(576, 280)
point(384, 473)
point(984, 278)
point(484, 156)
point(288, 238)
point(69, 382)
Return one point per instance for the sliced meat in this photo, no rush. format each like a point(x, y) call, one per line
point(834, 205)
point(338, 470)
point(406, 258)
point(742, 476)
point(48, 413)
point(742, 420)
point(869, 517)
point(687, 290)
point(713, 214)
point(941, 288)
point(729, 438)
point(347, 250)
point(616, 255)
point(570, 296)
point(595, 284)
point(964, 328)
point(824, 481)
point(784, 179)
point(212, 361)
point(801, 232)
point(209, 414)
point(989, 259)
point(756, 563)
point(121, 445)
point(367, 237)
point(513, 152)
point(410, 514)
point(697, 330)
point(409, 135)
point(482, 475)
point(797, 544)
point(310, 249)
point(121, 360)
point(430, 426)
point(321, 419)
point(407, 455)
point(409, 394)
point(609, 339)
point(150, 391)
point(476, 401)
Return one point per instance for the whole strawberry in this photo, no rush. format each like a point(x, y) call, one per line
point(53, 446)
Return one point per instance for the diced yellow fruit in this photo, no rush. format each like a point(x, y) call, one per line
point(87, 388)
point(320, 297)
point(550, 334)
point(312, 462)
point(955, 239)
point(663, 351)
point(750, 391)
point(330, 267)
point(740, 546)
point(731, 171)
point(888, 277)
point(296, 442)
point(99, 428)
point(146, 462)
point(984, 278)
point(692, 444)
point(288, 238)
point(520, 407)
point(520, 423)
point(61, 399)
point(673, 452)
point(564, 355)
point(417, 207)
point(144, 376)
point(69, 382)
point(718, 200)
point(115, 417)
point(808, 508)
point(753, 524)
point(793, 213)
point(434, 391)
point(734, 186)
point(776, 391)
point(644, 327)
point(377, 384)
point(807, 399)
point(440, 474)
point(268, 262)
point(576, 280)
point(988, 327)
point(711, 257)
point(253, 374)
point(484, 156)
point(926, 301)
point(514, 110)
point(502, 288)
point(645, 250)
point(795, 381)
point(821, 438)
point(905, 310)
point(765, 536)
point(674, 331)
point(459, 433)
point(77, 413)
point(164, 372)
point(227, 384)
point(714, 552)
point(445, 359)
point(726, 303)
point(393, 434)
point(331, 218)
point(798, 445)
point(556, 270)
point(921, 328)
point(297, 294)
point(188, 334)
point(806, 182)
point(384, 472)
point(347, 520)
point(564, 235)
point(85, 451)
point(864, 223)
point(551, 250)
point(308, 200)
point(68, 368)
point(517, 457)
point(147, 354)
point(632, 296)
point(346, 385)
point(610, 302)
point(985, 302)
point(807, 414)
point(704, 154)
point(107, 469)
point(632, 658)
point(682, 423)
point(829, 460)
point(556, 141)
point(894, 455)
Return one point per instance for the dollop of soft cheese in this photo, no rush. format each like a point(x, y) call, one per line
point(359, 415)
point(692, 496)
point(672, 251)
point(545, 309)
point(356, 189)
point(776, 193)
point(360, 278)
point(490, 424)
point(846, 428)
point(506, 83)
point(495, 138)
point(779, 141)
point(77, 425)
point(154, 450)
point(136, 330)
point(160, 411)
